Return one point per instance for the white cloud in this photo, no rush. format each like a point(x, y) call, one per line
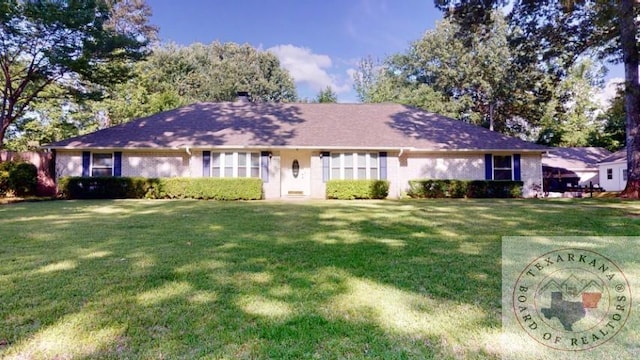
point(351, 72)
point(609, 91)
point(312, 69)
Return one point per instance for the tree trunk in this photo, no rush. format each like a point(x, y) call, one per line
point(631, 96)
point(3, 131)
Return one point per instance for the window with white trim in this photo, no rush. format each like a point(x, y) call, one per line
point(102, 164)
point(235, 164)
point(624, 174)
point(350, 166)
point(609, 174)
point(502, 167)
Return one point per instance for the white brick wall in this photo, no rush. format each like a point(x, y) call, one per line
point(395, 176)
point(463, 167)
point(195, 165)
point(444, 166)
point(156, 164)
point(68, 163)
point(399, 169)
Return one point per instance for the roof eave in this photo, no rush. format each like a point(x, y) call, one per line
point(297, 147)
point(614, 162)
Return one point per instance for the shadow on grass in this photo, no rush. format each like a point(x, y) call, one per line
point(153, 279)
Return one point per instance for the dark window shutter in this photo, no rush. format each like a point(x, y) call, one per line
point(206, 163)
point(86, 163)
point(117, 163)
point(264, 164)
point(517, 175)
point(488, 166)
point(383, 165)
point(326, 156)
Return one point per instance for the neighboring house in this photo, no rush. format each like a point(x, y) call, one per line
point(574, 166)
point(323, 141)
point(613, 171)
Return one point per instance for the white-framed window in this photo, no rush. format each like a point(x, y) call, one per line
point(235, 164)
point(609, 174)
point(356, 165)
point(624, 174)
point(502, 167)
point(102, 164)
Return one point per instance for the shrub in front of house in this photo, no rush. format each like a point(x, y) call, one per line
point(436, 188)
point(4, 177)
point(107, 187)
point(21, 178)
point(159, 188)
point(357, 189)
point(210, 188)
point(446, 188)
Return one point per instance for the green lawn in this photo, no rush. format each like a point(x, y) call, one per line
point(328, 279)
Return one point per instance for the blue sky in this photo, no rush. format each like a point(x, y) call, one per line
point(319, 42)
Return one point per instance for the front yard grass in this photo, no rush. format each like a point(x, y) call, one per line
point(331, 279)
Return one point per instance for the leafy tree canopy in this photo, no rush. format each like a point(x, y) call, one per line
point(326, 96)
point(76, 46)
point(216, 72)
point(178, 75)
point(611, 125)
point(573, 116)
point(475, 79)
point(169, 77)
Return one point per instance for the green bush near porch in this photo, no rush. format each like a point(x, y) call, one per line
point(357, 189)
point(160, 188)
point(431, 188)
point(209, 189)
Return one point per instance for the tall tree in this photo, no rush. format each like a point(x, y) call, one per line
point(365, 78)
point(56, 118)
point(171, 76)
point(473, 79)
point(560, 31)
point(131, 17)
point(612, 125)
point(326, 96)
point(384, 83)
point(571, 117)
point(216, 72)
point(175, 75)
point(69, 44)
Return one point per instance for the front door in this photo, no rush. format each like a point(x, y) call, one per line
point(295, 172)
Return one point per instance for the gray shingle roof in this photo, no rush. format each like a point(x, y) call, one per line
point(575, 157)
point(267, 125)
point(620, 155)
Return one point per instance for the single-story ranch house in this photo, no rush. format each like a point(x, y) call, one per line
point(296, 148)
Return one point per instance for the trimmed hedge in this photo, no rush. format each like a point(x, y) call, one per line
point(107, 187)
point(160, 188)
point(357, 189)
point(429, 188)
point(208, 188)
point(20, 178)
